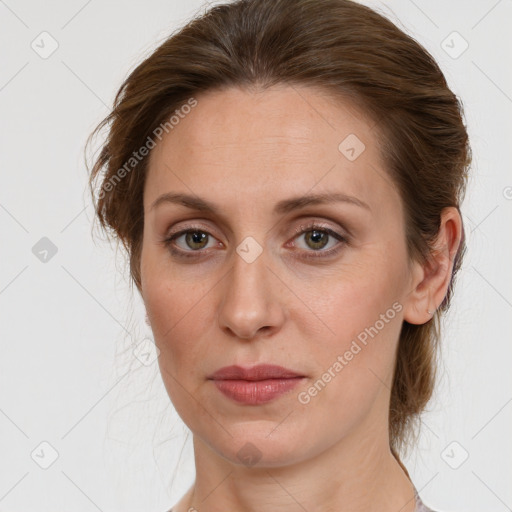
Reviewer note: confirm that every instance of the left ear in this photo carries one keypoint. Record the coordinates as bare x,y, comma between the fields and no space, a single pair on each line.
430,281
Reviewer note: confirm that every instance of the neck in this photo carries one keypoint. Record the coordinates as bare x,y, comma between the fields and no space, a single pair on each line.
355,476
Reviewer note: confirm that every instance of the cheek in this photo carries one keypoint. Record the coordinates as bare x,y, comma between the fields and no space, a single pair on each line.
361,311
354,363
174,305
354,295
178,315
178,318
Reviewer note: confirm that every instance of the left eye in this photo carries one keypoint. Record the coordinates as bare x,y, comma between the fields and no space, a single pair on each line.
319,238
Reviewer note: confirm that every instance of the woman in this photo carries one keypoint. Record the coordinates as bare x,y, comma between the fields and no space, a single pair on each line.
286,176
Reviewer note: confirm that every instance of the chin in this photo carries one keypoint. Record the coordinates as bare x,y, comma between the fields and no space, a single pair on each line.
259,444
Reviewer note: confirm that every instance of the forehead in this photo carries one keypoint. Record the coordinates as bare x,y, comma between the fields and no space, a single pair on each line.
283,140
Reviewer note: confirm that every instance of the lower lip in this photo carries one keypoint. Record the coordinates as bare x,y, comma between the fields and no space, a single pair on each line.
257,391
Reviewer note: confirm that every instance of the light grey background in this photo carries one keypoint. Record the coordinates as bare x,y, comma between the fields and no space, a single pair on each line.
65,322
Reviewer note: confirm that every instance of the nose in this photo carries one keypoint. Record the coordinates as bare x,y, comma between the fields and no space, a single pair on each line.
251,303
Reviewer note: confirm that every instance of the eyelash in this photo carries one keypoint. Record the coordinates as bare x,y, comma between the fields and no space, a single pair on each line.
313,226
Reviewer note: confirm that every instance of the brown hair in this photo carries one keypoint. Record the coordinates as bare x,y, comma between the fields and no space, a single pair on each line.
349,51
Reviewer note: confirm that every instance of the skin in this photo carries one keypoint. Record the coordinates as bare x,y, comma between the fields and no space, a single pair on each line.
245,151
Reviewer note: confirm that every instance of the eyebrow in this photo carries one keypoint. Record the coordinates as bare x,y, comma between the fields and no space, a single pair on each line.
282,207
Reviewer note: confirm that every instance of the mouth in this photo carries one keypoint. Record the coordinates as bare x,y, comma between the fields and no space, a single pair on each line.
257,385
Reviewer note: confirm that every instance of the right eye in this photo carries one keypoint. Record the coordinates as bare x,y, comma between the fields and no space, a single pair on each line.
188,242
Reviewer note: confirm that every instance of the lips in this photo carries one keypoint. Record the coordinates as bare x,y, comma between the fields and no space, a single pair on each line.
259,372
257,385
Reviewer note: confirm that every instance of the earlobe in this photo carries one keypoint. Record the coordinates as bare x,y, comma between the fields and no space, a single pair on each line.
431,280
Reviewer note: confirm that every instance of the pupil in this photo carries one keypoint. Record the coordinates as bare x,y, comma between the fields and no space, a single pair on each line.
317,238
196,237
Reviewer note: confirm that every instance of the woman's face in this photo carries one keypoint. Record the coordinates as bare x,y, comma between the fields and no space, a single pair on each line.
266,275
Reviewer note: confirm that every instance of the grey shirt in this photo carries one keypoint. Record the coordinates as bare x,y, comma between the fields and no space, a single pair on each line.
420,506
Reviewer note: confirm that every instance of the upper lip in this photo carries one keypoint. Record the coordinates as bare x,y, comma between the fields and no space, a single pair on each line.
258,372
